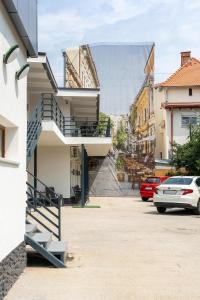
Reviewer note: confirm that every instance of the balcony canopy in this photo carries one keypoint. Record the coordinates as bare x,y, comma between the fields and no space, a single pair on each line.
84,102
40,77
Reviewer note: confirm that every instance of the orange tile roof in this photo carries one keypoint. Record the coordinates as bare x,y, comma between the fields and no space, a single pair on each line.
187,75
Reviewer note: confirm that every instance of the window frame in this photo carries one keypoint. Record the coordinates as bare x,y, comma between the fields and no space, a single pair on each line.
190,92
3,130
189,121
196,181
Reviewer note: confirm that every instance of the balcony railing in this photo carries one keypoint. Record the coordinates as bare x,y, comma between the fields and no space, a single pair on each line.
74,126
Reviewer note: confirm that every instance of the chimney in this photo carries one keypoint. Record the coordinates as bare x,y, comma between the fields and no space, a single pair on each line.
185,57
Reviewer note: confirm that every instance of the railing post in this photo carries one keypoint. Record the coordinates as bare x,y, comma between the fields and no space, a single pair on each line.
59,218
51,107
108,129
82,175
35,172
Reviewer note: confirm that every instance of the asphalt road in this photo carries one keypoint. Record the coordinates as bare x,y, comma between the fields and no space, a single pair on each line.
123,250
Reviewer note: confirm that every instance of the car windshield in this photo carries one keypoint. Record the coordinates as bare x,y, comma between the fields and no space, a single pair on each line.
152,180
178,180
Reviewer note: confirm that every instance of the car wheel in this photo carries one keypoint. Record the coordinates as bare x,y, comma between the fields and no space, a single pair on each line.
161,210
144,199
197,209
188,209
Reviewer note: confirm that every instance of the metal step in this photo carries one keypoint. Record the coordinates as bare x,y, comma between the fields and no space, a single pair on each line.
30,228
58,248
42,238
44,252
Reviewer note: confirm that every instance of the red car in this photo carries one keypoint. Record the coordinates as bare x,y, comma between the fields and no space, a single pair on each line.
148,187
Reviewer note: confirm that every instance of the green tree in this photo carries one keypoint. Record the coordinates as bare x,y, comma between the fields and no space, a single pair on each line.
103,123
133,117
188,155
119,140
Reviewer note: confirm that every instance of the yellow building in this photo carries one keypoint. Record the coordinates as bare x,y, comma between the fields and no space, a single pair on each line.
142,116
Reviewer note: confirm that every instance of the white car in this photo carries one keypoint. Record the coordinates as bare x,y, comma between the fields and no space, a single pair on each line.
178,191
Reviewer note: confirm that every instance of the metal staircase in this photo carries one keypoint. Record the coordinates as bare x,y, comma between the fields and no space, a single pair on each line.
34,128
43,212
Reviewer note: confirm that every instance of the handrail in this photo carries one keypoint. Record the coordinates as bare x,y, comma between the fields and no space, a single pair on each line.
43,202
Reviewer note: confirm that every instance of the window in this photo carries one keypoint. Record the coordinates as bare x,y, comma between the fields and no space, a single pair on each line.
186,121
190,92
2,141
145,115
152,180
178,180
198,182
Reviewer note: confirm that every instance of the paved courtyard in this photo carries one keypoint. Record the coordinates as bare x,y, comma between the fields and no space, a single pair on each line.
121,251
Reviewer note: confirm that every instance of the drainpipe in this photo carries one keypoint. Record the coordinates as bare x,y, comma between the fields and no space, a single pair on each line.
172,128
65,71
82,175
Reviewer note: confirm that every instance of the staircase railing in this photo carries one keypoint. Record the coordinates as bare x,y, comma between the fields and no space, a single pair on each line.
44,205
34,128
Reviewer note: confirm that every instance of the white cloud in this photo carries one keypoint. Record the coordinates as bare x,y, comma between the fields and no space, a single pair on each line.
173,24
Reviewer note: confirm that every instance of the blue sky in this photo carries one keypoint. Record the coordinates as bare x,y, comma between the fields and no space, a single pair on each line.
174,26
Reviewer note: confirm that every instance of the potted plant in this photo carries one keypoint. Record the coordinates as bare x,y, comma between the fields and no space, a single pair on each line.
120,169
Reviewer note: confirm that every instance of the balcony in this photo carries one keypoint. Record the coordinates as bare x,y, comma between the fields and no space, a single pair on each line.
73,126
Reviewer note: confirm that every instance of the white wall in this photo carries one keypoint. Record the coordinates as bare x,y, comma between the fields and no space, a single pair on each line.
54,168
13,116
178,94
159,122
180,134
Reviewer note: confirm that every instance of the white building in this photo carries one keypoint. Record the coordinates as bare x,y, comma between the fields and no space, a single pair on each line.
48,130
69,120
18,37
177,105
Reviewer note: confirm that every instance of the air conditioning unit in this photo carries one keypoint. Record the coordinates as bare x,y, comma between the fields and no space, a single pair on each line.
74,152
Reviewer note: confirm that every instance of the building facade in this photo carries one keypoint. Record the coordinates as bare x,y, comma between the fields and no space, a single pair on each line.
70,120
142,117
79,68
17,39
177,106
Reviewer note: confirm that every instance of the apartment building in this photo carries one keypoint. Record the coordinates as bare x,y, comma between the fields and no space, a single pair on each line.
18,39
79,68
177,105
142,117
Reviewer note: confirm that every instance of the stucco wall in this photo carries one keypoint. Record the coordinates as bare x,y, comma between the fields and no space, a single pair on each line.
54,168
13,117
182,94
163,117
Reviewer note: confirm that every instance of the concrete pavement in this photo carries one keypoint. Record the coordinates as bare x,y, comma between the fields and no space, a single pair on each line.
121,251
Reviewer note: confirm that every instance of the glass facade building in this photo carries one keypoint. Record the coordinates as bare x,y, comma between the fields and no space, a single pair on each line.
120,69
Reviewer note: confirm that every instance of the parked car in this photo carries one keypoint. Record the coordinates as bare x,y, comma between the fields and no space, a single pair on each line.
148,187
178,191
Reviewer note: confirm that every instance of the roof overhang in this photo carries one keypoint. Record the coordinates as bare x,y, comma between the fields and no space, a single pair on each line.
40,77
23,14
171,105
78,92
